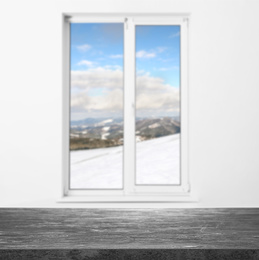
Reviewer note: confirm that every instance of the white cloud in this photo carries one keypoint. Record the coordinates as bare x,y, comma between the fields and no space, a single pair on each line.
145,54
111,102
169,68
174,35
97,78
86,62
113,67
166,60
142,72
84,47
161,49
150,54
164,69
153,95
116,56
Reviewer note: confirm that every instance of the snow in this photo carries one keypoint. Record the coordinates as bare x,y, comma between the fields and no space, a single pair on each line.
104,122
155,125
96,168
74,135
106,128
104,136
107,121
138,138
157,162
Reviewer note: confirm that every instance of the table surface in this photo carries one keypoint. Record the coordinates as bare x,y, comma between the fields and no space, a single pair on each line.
129,228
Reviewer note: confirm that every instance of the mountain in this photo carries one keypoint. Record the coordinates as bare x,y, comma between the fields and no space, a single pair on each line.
105,132
153,128
94,121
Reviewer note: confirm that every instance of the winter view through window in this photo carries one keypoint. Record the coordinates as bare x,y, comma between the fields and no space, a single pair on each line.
96,105
157,104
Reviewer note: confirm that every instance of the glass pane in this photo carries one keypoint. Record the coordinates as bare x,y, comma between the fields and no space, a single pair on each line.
158,105
96,108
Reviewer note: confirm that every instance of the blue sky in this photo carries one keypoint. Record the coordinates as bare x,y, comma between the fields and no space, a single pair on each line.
96,43
164,43
97,70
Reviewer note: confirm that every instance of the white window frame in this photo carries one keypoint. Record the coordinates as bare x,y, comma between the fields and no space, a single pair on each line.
130,191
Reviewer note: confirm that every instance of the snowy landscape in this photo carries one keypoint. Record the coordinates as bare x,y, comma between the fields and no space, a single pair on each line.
158,162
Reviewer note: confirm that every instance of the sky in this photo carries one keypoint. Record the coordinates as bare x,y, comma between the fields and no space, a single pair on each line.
96,63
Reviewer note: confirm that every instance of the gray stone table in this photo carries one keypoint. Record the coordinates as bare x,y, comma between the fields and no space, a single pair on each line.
129,233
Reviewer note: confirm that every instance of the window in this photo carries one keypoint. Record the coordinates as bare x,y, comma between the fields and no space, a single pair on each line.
125,107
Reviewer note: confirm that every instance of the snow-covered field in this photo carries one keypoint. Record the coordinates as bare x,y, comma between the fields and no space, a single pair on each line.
157,162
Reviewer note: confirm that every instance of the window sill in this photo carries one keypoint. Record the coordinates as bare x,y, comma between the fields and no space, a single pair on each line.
183,198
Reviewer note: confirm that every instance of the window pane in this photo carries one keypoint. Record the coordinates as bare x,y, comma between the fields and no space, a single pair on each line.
96,108
158,105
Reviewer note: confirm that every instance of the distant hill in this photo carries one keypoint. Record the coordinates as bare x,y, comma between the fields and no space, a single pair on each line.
153,128
94,121
105,132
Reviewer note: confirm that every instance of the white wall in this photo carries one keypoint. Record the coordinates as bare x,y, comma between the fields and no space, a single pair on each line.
224,98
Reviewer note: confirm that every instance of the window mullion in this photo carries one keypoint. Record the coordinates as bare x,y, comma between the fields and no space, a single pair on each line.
129,105
66,108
